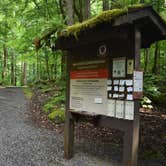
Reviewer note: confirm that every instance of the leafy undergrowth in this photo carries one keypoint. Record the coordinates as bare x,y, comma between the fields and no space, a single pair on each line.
47,108
28,92
47,104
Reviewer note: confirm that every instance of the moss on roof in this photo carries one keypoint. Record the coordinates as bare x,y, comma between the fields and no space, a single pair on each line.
106,16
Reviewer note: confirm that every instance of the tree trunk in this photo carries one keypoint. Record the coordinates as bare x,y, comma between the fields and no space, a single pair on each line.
87,9
146,59
156,56
61,4
105,5
12,69
47,64
37,65
24,74
78,9
5,54
69,11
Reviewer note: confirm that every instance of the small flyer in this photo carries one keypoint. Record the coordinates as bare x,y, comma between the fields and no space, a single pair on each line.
120,109
129,110
111,108
119,67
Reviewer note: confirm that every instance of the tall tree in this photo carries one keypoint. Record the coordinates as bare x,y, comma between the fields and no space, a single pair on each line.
87,9
105,5
69,11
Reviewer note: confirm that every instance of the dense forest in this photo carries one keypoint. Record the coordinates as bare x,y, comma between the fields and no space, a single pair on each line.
25,26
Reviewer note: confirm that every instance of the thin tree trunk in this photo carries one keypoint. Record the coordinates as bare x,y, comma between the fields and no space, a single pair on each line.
146,59
5,55
69,11
12,69
47,65
61,4
24,73
87,9
37,65
156,55
78,10
105,5
15,71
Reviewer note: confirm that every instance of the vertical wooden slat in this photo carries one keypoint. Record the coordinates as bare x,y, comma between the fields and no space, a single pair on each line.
69,122
131,138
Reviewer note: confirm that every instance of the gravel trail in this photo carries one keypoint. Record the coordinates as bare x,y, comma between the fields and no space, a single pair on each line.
22,143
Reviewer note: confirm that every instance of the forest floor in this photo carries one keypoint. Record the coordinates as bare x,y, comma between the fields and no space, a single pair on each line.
107,143
27,137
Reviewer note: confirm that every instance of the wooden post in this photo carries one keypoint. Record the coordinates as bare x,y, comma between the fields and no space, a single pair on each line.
69,122
69,136
131,138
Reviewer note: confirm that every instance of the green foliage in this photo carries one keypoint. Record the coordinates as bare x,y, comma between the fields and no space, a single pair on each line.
146,103
154,88
153,155
57,116
28,92
53,103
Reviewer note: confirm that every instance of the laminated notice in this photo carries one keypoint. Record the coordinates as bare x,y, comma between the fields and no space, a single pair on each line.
119,109
129,110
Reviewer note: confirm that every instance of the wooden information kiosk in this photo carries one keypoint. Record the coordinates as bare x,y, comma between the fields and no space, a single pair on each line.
104,76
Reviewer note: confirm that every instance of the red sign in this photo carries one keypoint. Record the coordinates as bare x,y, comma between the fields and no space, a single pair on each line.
83,74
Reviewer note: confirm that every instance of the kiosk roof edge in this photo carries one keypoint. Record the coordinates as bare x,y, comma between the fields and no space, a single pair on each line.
145,18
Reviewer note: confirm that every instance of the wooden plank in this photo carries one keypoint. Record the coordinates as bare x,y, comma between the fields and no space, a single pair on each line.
131,138
69,121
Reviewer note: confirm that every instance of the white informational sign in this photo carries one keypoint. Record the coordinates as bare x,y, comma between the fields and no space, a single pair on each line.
129,110
120,109
89,94
119,67
138,81
111,108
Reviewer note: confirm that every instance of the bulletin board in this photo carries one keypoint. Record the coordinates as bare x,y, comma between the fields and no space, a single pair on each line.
105,86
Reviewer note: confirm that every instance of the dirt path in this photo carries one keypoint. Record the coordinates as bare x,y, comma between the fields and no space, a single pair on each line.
23,143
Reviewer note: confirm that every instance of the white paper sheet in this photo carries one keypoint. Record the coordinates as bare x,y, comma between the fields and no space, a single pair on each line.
121,95
121,89
109,88
129,97
129,89
119,109
129,110
122,82
111,108
116,88
119,67
115,95
138,81
129,82
110,95
116,82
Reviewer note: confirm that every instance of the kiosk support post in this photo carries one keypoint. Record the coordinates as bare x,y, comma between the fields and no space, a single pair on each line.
69,136
69,121
131,137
